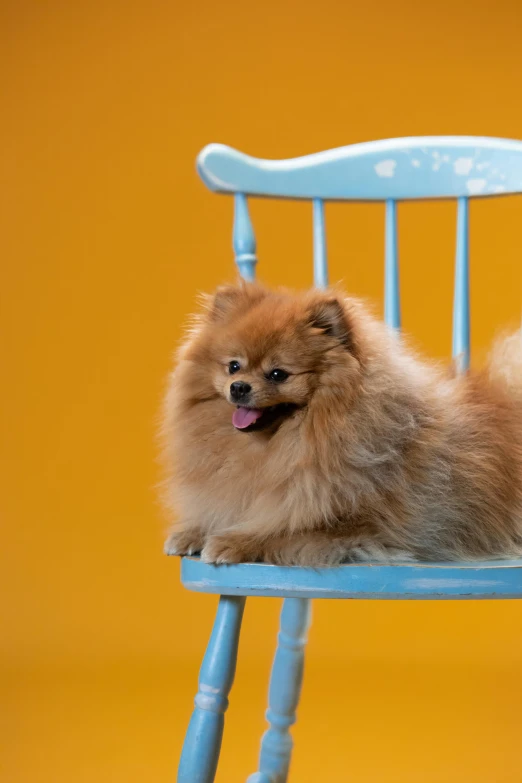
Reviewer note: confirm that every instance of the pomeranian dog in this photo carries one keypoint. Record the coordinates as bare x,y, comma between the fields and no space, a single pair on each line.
300,430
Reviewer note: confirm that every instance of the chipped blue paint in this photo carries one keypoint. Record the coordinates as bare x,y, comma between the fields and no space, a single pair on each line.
409,168
496,579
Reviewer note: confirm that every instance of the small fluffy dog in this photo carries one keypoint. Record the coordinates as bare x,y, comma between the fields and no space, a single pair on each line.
300,430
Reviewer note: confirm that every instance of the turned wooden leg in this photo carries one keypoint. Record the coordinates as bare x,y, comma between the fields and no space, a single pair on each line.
285,688
200,753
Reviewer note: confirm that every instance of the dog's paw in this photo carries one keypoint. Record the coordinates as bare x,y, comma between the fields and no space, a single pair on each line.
184,542
226,549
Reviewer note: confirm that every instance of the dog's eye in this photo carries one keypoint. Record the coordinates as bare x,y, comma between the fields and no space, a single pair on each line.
278,376
233,367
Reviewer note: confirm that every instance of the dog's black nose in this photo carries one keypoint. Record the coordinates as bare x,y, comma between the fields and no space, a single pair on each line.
239,390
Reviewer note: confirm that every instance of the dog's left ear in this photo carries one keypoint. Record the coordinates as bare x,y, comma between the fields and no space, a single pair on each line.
226,299
329,315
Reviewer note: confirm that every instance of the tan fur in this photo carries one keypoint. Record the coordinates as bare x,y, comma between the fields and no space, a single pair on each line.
383,457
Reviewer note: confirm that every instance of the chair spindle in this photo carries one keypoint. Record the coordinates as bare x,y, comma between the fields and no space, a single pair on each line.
243,239
392,304
461,317
320,256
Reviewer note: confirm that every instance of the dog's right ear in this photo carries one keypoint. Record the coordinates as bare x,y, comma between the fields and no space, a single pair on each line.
232,298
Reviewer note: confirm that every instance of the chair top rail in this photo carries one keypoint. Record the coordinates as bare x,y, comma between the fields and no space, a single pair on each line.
425,167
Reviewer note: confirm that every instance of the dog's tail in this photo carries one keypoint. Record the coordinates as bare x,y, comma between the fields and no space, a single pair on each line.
505,363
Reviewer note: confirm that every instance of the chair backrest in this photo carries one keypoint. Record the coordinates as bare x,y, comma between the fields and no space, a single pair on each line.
431,167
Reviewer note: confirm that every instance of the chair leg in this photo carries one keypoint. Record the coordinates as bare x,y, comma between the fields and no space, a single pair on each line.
202,745
285,689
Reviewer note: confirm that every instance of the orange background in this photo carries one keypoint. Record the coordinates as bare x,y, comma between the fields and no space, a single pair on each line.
106,235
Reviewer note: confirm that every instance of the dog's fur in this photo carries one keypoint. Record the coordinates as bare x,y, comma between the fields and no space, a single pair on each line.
371,454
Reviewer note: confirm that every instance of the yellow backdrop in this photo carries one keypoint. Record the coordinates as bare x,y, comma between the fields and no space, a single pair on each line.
106,235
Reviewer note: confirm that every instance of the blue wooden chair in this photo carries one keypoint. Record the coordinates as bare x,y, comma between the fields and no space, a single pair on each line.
388,171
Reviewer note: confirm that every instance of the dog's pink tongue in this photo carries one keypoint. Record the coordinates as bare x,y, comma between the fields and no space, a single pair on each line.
244,417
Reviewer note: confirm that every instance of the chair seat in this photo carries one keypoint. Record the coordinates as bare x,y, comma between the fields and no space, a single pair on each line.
459,580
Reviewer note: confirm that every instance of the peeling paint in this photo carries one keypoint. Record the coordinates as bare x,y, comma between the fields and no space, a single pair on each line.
463,166
475,186
386,168
208,688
